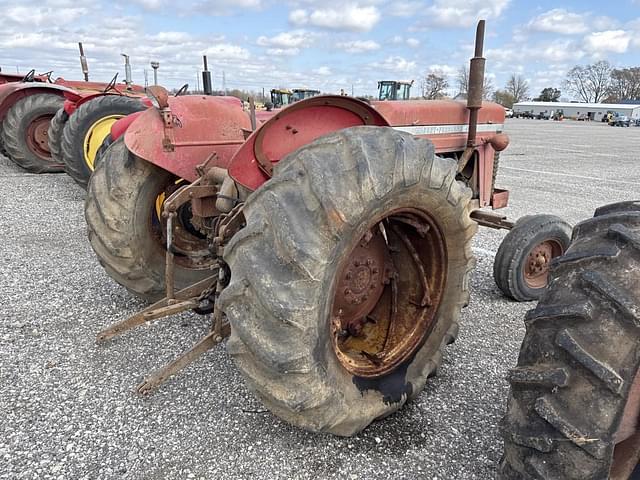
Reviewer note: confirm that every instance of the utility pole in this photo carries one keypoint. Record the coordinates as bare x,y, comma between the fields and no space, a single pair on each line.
352,90
146,78
155,65
224,84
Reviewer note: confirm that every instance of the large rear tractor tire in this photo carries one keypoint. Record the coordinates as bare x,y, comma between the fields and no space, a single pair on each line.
575,394
348,278
25,131
521,266
86,130
55,135
122,210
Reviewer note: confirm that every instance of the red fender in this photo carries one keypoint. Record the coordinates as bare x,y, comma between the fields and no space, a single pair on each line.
73,101
199,127
294,126
120,126
10,93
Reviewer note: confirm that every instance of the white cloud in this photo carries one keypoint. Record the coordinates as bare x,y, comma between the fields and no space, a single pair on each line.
227,51
395,64
358,46
413,42
293,39
283,52
350,17
324,71
462,13
614,41
560,21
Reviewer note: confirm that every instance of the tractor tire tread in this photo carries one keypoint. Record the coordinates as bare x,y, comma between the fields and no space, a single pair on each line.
75,130
281,259
581,349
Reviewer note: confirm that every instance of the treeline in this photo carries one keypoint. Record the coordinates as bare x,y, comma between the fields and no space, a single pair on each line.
595,83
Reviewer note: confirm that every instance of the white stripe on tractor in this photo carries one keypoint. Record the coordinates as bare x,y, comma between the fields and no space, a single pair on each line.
440,129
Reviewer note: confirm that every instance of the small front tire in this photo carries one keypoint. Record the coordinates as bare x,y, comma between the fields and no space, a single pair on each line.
521,266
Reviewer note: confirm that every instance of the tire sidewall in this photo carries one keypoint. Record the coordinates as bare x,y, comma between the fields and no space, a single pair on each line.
23,126
86,119
380,396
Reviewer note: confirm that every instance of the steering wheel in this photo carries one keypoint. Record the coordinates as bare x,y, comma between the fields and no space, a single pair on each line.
183,90
29,77
112,84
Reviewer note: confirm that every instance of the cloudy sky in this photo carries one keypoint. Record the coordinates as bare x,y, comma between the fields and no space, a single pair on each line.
324,44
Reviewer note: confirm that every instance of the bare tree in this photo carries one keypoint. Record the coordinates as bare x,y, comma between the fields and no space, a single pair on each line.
463,84
625,84
434,86
590,83
518,87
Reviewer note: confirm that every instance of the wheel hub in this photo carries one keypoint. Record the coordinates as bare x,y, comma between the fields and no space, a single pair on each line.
38,137
536,272
387,293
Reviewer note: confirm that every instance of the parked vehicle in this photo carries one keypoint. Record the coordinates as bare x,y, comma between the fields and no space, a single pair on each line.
620,121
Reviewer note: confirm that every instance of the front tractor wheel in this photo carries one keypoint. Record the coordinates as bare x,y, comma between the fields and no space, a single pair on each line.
521,266
348,277
123,212
25,132
87,128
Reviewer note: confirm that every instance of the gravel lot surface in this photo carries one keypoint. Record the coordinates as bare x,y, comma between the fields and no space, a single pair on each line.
67,407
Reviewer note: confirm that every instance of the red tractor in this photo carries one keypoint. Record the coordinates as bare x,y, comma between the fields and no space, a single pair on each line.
27,108
79,128
333,245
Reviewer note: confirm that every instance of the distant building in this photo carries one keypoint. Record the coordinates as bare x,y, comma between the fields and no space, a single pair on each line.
591,111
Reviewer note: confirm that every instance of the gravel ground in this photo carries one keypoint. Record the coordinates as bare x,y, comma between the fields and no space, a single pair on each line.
68,408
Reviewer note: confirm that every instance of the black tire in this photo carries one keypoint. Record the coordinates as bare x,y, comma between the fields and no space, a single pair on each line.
511,262
15,127
55,135
123,227
283,264
579,358
79,125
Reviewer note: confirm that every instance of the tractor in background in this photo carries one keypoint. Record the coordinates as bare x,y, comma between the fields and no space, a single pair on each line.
332,245
394,90
29,106
303,93
280,97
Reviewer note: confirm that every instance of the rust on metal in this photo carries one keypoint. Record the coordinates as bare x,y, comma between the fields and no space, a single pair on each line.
37,136
491,220
152,311
626,454
536,271
387,292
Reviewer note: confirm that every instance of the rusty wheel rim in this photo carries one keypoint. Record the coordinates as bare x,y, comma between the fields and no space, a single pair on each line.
388,290
536,269
190,247
626,453
38,137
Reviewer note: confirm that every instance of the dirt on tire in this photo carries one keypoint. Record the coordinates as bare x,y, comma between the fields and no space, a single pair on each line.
579,359
120,211
284,260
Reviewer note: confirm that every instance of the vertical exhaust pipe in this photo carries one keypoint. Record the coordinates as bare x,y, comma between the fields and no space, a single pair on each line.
127,71
474,94
206,78
83,63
